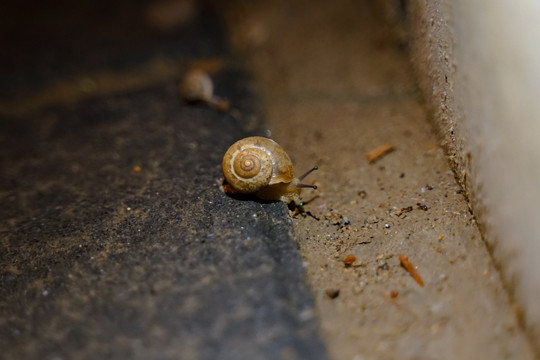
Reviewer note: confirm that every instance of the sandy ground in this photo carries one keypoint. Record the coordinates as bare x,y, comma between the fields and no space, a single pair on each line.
335,85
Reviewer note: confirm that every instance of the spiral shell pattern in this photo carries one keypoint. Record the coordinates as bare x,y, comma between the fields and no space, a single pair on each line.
255,162
247,163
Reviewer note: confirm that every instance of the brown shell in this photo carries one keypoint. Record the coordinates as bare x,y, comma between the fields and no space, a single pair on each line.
256,162
197,86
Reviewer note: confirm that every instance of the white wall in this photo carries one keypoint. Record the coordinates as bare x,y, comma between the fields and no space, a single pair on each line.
497,83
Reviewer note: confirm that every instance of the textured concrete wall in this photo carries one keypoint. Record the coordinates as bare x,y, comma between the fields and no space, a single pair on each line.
477,64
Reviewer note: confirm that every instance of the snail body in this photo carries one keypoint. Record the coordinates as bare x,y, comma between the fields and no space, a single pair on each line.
259,166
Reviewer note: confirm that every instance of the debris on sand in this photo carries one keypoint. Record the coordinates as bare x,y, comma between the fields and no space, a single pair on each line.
404,259
378,152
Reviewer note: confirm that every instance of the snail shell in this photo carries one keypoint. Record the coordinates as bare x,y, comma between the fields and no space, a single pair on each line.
257,165
197,86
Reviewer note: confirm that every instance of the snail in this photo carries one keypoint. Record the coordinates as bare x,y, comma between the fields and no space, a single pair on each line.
198,86
259,166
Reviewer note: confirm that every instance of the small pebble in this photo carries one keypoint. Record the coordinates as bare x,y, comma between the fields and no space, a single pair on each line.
349,260
332,293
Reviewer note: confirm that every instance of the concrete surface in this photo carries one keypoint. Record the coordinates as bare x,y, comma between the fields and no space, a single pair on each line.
116,240
336,84
478,67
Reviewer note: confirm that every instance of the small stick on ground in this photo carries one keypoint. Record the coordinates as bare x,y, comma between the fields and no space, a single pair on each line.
404,259
378,152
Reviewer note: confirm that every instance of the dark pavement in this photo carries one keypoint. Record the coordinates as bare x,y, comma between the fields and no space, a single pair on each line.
116,240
